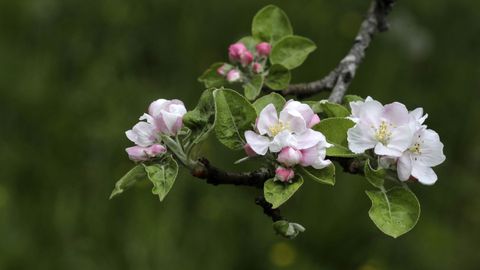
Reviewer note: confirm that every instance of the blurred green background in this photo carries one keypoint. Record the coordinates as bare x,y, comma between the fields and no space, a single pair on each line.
75,74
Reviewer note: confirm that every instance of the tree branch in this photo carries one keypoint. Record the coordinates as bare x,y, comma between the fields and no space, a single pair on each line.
340,78
274,214
214,176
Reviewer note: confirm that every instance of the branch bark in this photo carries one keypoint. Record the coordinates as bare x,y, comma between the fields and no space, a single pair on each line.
216,176
339,79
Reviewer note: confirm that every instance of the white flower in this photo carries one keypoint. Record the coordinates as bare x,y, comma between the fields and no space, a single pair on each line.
426,151
142,134
166,115
386,129
291,129
315,156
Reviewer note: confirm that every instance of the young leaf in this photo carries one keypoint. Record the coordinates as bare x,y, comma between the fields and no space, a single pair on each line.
249,42
395,211
128,180
291,51
200,120
277,192
350,98
333,109
335,130
233,116
210,78
270,24
253,87
278,77
277,100
324,176
287,229
375,177
162,176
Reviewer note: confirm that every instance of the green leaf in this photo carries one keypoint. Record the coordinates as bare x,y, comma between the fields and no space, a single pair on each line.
333,109
315,105
324,176
376,177
200,120
277,100
277,192
278,77
233,116
351,98
253,87
291,51
250,42
270,24
128,180
210,78
287,229
335,129
395,211
162,176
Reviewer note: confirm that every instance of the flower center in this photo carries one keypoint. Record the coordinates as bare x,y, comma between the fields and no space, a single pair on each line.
277,128
383,134
415,149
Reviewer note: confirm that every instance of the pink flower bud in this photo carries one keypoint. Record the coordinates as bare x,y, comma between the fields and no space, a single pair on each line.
233,75
223,69
289,156
249,151
236,50
314,120
166,115
156,150
284,175
263,48
257,67
136,153
246,58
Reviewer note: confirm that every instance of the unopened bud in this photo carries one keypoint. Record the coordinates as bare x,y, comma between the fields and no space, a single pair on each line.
263,49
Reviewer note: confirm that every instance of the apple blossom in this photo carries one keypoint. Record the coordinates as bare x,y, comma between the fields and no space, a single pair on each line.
142,134
223,69
288,130
166,115
284,174
257,67
315,156
233,75
386,129
425,151
236,51
139,153
289,156
263,49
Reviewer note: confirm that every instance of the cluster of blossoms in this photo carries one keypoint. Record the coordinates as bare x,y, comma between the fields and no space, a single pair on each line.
164,117
290,136
243,62
398,136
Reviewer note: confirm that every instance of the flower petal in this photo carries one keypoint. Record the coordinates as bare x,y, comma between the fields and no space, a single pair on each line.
360,138
396,113
401,138
309,138
293,120
431,148
404,167
266,119
283,139
424,174
259,144
368,111
383,150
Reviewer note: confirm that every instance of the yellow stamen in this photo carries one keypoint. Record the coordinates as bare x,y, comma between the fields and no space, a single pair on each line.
277,128
383,134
